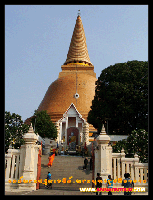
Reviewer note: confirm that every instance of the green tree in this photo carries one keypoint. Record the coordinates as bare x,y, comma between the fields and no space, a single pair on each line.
121,98
137,142
43,124
14,130
119,145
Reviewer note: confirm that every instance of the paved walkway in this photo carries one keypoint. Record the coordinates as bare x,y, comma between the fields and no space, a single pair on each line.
69,167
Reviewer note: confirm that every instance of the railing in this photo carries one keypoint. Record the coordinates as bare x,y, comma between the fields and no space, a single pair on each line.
121,165
12,164
15,161
22,162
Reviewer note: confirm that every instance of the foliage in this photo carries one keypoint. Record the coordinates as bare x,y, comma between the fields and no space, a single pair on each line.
43,124
121,97
137,142
119,145
14,130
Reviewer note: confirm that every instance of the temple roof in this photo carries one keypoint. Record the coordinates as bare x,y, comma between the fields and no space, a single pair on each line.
71,107
78,51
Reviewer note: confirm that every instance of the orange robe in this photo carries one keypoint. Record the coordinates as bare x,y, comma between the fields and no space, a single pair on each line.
51,158
50,163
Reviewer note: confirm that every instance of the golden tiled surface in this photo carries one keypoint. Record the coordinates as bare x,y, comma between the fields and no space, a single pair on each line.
60,95
78,48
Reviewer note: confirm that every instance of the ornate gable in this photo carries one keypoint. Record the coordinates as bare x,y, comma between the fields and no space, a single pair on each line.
72,112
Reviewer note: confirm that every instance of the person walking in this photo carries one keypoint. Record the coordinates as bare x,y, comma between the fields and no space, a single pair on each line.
98,183
127,183
49,178
85,163
109,184
51,151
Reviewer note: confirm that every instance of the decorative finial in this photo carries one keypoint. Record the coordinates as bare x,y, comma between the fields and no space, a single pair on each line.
122,151
31,129
79,13
103,132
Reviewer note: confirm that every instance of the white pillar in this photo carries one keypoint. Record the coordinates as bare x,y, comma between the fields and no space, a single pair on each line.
118,167
66,130
58,131
132,171
85,133
104,155
30,139
114,168
9,156
136,161
123,162
127,167
76,121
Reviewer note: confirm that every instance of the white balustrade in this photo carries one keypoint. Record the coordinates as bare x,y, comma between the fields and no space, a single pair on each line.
17,162
12,160
122,165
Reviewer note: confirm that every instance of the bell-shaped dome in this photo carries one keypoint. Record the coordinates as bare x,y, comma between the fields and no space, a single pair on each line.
62,92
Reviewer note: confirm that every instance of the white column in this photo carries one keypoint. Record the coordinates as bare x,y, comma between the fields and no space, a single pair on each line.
141,174
136,161
118,167
85,133
9,156
76,121
22,160
97,163
145,174
103,166
17,164
114,168
60,131
132,171
122,162
82,133
127,167
66,130
30,139
12,170
123,169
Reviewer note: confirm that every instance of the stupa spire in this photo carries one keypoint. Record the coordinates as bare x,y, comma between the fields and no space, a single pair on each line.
78,51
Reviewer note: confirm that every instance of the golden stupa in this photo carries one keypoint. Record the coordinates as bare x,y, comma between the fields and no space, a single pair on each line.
75,86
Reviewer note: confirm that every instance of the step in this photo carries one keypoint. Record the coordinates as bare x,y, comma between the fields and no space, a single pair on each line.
69,167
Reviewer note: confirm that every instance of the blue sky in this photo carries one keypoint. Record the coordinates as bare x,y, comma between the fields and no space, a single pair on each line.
37,39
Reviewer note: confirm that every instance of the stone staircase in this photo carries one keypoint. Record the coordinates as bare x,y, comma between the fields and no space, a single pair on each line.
65,167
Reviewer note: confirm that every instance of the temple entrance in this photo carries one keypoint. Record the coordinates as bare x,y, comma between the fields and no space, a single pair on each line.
72,137
70,127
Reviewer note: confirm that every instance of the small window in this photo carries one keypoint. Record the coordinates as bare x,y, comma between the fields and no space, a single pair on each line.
76,95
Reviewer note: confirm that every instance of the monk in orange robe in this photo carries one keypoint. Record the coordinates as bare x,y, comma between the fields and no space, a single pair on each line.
51,158
50,161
